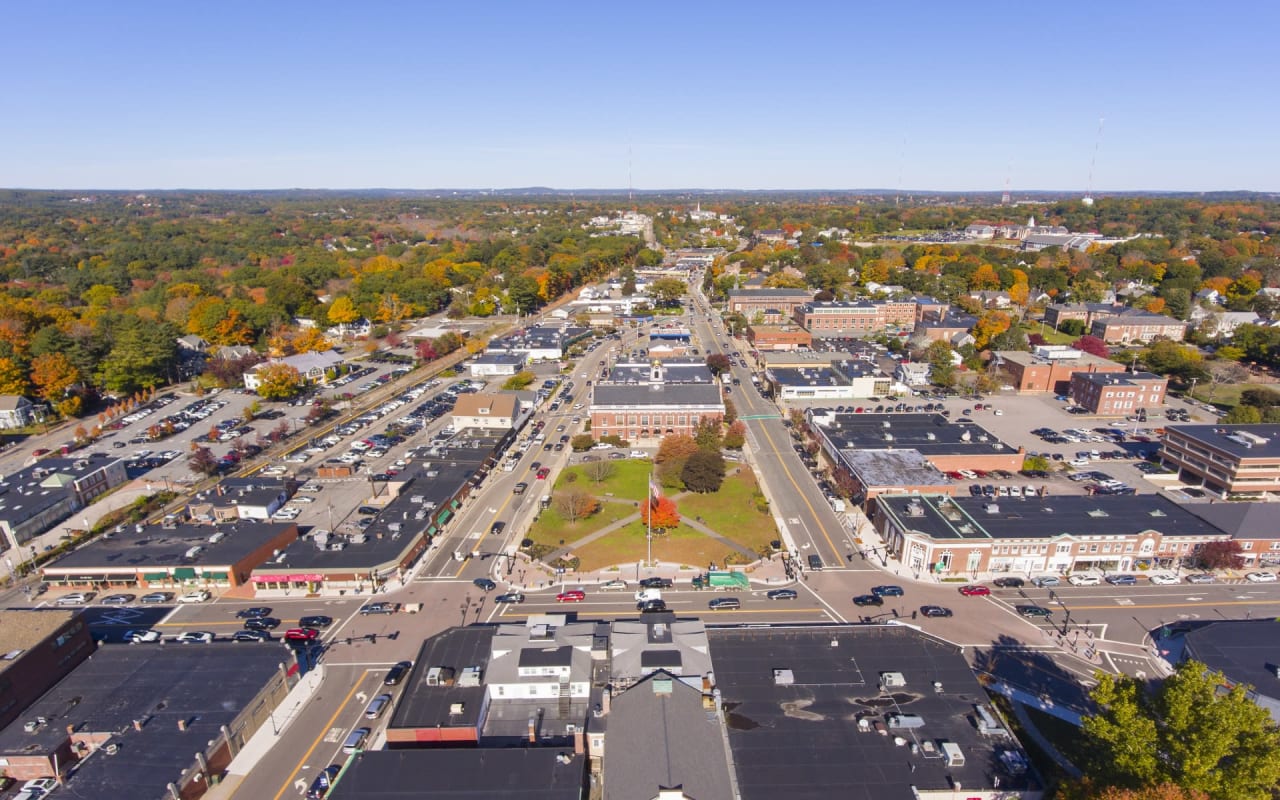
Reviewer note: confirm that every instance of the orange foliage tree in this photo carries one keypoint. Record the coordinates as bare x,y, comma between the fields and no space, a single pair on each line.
660,513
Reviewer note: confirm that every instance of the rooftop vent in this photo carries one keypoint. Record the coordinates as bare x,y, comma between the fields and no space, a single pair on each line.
783,677
892,680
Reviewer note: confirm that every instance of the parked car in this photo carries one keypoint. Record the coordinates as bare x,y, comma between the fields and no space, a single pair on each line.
195,637
323,782
198,596
376,706
141,635
1121,580
118,599
1200,577
74,599
1163,578
1084,579
1009,583
935,611
251,636
656,583
397,673
974,590
782,594
571,596
1044,581
1261,577
613,585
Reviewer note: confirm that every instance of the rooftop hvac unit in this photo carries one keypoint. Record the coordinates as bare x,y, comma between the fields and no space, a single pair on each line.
193,552
892,680
952,754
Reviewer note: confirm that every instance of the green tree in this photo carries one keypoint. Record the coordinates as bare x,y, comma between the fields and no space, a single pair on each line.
582,442
1190,730
703,472
942,370
736,437
1243,415
707,435
279,381
142,356
519,381
667,291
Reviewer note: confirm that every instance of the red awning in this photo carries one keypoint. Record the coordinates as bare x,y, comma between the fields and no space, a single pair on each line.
287,578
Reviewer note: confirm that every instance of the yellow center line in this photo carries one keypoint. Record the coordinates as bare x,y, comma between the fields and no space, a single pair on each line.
782,463
1200,604
289,781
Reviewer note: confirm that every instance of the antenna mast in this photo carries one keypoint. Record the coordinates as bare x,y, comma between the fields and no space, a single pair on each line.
1007,198
1088,194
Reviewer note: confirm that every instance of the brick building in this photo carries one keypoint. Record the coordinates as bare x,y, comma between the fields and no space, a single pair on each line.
1117,394
1058,313
1049,368
846,319
1228,459
770,338
41,647
655,408
1133,325
752,301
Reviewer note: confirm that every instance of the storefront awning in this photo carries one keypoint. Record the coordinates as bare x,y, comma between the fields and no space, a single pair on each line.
455,504
215,576
287,578
155,576
184,573
444,516
432,530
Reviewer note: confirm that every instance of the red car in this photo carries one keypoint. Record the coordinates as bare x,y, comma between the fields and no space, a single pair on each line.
543,473
301,634
572,596
974,590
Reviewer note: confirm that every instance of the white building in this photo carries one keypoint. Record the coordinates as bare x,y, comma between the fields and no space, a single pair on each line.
486,410
496,365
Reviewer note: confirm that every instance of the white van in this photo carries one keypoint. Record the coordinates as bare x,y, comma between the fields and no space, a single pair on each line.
645,595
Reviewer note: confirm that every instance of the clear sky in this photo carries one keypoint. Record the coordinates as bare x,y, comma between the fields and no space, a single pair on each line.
872,94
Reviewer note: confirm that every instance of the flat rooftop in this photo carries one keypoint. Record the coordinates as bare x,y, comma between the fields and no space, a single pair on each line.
1241,441
1082,361
876,468
515,773
793,698
23,630
207,686
1043,517
1243,650
423,706
33,489
147,546
930,434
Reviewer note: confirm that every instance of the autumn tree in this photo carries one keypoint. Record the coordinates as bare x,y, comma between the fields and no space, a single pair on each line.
1092,345
520,380
707,436
576,504
53,374
203,461
342,311
13,378
718,363
279,381
988,326
736,437
1221,555
660,513
1087,790
425,350
675,446
1195,729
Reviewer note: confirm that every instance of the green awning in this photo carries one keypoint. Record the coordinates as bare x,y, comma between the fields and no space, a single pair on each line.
432,530
455,504
444,516
184,573
215,576
155,576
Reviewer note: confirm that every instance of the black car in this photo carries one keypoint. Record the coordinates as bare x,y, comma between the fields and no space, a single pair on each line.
652,606
261,623
320,786
317,621
397,673
1033,611
935,611
251,636
656,583
509,597
256,611
1010,583
368,511
782,594
496,528
485,584
887,591
868,600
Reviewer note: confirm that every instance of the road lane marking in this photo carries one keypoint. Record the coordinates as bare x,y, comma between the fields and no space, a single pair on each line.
316,743
803,497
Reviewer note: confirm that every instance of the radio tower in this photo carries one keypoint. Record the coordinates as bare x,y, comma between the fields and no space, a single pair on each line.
1088,194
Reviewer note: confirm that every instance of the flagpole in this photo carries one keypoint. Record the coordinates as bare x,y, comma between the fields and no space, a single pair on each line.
648,537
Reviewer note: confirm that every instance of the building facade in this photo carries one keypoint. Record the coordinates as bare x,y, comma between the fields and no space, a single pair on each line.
749,302
778,338
1137,326
1111,394
1049,368
849,319
647,412
1227,459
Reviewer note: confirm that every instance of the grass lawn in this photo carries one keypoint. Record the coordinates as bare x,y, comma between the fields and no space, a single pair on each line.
551,529
1050,335
732,513
682,546
628,480
1224,395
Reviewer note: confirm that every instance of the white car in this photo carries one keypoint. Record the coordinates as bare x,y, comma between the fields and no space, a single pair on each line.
1261,577
198,596
302,499
194,637
1084,580
1164,579
142,635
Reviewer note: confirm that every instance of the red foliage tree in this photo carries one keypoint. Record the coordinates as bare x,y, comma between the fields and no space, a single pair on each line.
661,513
1093,345
426,350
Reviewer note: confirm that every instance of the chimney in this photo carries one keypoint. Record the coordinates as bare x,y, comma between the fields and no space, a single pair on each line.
182,724
137,724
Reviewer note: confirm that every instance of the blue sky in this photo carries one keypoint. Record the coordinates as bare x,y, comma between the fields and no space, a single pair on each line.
917,95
